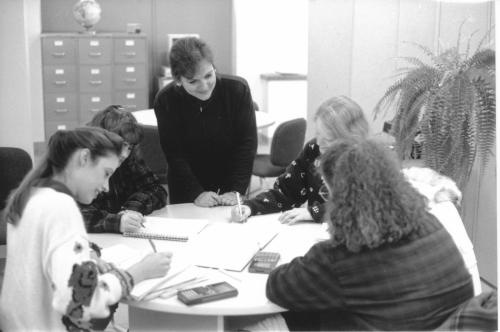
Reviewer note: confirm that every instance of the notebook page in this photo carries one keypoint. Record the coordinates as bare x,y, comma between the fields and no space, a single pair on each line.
169,228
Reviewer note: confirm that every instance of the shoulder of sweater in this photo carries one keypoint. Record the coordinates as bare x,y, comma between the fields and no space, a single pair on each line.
48,199
233,81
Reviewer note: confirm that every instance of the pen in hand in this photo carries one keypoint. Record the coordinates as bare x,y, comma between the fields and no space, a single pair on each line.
239,204
152,245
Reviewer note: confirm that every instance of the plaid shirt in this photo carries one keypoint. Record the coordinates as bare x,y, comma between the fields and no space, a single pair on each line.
299,183
133,186
415,284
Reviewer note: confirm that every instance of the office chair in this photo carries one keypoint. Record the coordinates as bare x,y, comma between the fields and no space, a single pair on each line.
286,144
152,153
15,163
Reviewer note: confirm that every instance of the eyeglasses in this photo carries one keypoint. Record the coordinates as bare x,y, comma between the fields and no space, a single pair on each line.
323,192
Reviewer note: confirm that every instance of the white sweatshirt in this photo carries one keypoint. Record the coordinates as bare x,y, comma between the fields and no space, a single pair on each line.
45,280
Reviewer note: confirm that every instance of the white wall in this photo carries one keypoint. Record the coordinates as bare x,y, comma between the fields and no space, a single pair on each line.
270,36
20,80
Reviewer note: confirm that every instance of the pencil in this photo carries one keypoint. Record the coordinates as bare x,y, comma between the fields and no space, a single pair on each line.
152,244
239,203
227,274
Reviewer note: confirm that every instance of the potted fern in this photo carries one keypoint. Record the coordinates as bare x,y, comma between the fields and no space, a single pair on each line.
449,104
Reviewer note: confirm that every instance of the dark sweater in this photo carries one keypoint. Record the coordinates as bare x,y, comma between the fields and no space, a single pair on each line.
209,145
133,186
414,284
299,183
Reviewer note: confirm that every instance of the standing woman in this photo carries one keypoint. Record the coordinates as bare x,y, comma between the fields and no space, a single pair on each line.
206,124
52,283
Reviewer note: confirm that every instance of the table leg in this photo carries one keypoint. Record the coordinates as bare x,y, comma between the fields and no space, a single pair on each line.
149,320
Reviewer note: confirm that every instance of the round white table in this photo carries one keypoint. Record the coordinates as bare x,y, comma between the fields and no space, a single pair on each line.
147,117
172,315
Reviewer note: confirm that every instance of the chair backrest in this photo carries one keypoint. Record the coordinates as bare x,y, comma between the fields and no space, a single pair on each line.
152,153
288,141
15,163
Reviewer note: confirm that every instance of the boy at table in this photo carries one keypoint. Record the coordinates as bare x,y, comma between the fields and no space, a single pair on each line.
134,190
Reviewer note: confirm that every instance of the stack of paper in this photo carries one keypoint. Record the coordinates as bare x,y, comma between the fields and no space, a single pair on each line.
124,256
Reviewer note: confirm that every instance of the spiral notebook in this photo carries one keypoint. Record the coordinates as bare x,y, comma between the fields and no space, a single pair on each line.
169,229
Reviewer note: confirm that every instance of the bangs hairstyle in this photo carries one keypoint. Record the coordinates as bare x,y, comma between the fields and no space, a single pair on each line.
119,121
371,203
186,54
343,118
61,146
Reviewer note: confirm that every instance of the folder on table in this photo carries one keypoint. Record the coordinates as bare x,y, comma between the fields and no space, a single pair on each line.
231,246
170,229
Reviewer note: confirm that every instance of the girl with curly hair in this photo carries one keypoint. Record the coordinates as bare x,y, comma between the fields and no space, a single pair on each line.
389,263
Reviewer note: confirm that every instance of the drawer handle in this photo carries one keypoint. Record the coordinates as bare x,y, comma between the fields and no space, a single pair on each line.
58,54
95,54
61,110
130,80
130,106
96,82
130,54
60,82
94,110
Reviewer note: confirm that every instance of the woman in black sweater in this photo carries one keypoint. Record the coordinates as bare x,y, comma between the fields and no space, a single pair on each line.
207,129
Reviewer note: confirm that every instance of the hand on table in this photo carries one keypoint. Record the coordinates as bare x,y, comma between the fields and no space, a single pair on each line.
245,213
295,215
207,199
228,198
131,221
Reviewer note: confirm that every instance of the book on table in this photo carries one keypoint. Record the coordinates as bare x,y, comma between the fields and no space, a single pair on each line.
170,229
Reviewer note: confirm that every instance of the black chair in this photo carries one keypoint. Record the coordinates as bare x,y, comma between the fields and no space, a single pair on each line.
15,163
152,153
286,144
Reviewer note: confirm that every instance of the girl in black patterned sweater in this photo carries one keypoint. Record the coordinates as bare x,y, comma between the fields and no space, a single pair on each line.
337,117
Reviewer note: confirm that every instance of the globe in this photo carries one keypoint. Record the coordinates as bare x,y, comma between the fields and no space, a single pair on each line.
87,13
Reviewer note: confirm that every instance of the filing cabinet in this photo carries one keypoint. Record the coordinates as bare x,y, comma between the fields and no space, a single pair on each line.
83,74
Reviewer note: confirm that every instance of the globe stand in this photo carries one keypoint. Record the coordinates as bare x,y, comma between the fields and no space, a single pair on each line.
89,31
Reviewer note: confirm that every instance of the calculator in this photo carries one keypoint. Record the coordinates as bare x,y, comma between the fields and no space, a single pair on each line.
264,262
202,294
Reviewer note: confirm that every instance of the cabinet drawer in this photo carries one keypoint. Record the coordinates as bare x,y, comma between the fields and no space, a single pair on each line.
95,78
130,50
52,126
91,103
129,76
58,50
60,107
132,100
95,50
59,78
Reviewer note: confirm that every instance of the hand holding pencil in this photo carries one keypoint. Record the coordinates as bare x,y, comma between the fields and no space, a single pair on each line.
154,265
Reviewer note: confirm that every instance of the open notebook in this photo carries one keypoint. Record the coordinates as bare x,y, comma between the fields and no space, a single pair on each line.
124,256
231,246
171,229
